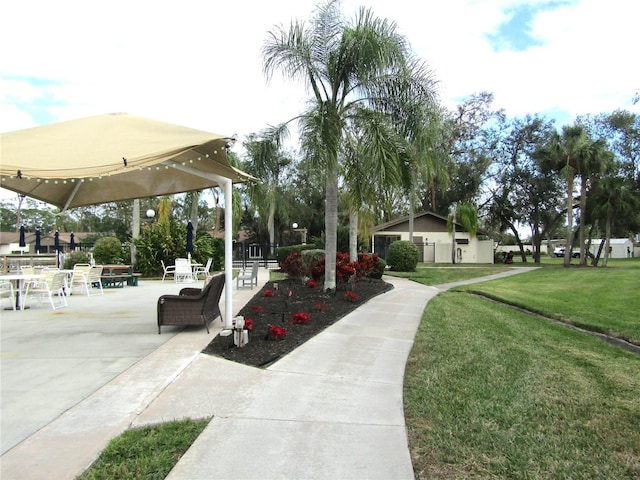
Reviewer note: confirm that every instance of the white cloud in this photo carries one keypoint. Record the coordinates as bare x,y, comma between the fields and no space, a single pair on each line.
198,63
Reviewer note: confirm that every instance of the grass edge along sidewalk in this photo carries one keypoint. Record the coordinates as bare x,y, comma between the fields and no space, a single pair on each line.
492,393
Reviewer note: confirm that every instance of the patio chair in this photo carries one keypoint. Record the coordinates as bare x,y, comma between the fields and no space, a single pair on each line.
7,291
80,278
167,270
251,276
52,284
202,270
193,306
183,270
95,277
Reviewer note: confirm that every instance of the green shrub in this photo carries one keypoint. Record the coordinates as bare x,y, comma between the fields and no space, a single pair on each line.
403,256
284,252
75,257
107,250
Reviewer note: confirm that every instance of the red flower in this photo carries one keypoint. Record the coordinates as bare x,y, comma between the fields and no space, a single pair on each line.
312,284
300,317
319,307
248,324
257,308
290,293
350,296
268,293
277,333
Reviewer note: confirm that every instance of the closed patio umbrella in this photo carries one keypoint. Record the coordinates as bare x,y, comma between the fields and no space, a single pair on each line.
189,239
23,242
56,242
72,242
38,240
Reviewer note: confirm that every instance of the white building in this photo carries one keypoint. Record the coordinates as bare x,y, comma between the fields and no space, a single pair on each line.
433,240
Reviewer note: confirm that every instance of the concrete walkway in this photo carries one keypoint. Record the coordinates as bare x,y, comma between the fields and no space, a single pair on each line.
333,408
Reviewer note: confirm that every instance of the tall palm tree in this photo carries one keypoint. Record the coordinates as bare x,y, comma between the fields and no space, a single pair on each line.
565,153
350,68
596,160
266,161
615,197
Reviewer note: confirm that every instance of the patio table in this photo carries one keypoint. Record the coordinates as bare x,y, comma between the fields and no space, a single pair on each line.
17,279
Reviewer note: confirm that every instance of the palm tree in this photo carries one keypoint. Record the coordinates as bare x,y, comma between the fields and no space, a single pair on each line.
265,161
595,161
565,153
615,197
467,215
351,69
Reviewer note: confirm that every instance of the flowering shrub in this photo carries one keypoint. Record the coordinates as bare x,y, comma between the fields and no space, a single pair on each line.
293,265
257,308
277,333
300,317
248,324
319,307
312,284
268,293
350,296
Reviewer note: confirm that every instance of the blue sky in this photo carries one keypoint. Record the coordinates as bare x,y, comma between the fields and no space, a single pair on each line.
198,63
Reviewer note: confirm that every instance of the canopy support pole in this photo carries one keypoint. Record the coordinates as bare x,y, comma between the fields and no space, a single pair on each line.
228,242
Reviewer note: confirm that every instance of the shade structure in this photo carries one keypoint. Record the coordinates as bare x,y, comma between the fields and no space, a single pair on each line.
110,158
115,157
22,242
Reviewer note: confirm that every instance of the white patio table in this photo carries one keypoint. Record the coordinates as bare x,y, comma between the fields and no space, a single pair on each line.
17,279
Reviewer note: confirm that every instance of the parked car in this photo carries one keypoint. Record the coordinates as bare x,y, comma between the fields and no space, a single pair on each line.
559,252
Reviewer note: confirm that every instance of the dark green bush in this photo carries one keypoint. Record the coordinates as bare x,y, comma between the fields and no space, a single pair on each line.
107,250
284,252
73,258
403,256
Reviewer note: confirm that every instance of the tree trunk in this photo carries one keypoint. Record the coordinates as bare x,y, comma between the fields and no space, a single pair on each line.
271,227
583,219
568,243
195,198
453,239
607,243
331,228
353,235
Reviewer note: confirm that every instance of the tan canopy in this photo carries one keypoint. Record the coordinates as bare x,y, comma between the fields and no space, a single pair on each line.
110,158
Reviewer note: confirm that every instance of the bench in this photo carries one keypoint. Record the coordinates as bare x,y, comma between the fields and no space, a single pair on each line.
115,280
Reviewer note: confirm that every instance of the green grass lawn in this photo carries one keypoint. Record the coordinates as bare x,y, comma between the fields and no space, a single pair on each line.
605,300
494,393
147,453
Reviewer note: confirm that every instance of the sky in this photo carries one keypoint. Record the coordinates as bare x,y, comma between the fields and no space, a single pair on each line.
199,63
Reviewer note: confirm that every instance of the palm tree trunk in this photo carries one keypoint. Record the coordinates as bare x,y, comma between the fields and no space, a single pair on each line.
453,239
271,228
567,246
331,228
583,219
607,242
353,235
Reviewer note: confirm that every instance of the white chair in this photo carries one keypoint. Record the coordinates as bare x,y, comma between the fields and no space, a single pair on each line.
251,276
202,270
95,277
167,270
183,270
80,278
52,284
6,291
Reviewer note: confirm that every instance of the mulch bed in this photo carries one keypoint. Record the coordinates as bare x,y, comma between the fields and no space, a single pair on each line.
291,296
